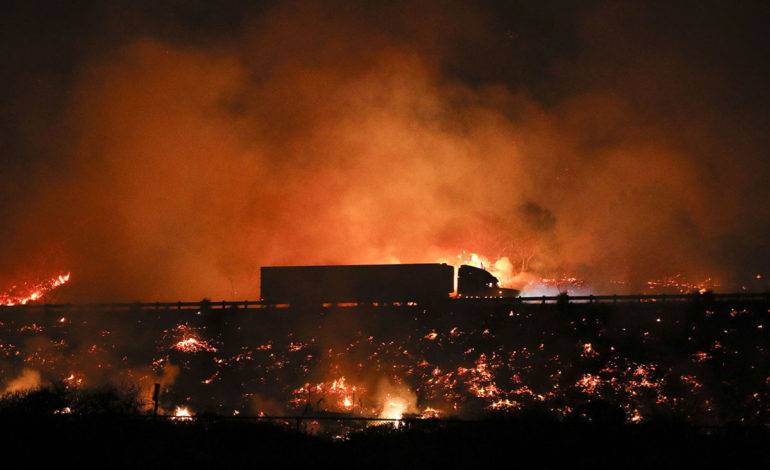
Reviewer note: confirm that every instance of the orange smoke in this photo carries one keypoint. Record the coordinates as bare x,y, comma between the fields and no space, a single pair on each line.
28,380
311,135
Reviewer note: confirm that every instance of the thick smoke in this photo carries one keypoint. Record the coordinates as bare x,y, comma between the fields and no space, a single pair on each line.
173,164
29,379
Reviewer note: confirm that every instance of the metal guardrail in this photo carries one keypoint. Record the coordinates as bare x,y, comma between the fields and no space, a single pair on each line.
738,296
302,418
260,305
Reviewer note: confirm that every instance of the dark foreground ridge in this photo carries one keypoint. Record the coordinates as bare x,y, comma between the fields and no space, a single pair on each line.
525,442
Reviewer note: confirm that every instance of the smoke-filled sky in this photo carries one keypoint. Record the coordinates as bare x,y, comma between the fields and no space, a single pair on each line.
166,150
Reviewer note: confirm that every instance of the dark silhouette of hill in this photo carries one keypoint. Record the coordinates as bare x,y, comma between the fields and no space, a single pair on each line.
99,431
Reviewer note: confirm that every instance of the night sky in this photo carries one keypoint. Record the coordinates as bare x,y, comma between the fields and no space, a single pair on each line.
167,149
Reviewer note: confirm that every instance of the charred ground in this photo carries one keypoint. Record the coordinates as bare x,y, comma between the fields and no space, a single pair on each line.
585,385
705,361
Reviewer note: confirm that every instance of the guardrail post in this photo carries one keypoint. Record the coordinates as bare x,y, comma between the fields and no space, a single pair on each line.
155,399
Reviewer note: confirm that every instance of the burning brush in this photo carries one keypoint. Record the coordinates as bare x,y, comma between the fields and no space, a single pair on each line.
27,293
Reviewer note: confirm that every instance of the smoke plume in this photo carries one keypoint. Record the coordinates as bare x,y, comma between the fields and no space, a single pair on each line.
168,156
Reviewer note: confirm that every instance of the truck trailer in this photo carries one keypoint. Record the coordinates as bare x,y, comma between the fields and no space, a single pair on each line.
375,283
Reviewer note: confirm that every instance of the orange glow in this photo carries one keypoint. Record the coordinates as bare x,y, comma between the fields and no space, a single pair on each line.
394,408
193,345
26,294
588,351
431,336
430,413
182,413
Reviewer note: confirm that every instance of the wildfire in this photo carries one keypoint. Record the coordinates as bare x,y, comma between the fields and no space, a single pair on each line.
539,284
394,408
564,282
338,394
182,413
25,294
461,365
502,268
190,342
677,283
480,379
533,285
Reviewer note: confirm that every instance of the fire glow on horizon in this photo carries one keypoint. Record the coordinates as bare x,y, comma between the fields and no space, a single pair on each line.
531,284
24,293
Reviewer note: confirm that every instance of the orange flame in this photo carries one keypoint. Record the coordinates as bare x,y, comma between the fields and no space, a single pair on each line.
33,293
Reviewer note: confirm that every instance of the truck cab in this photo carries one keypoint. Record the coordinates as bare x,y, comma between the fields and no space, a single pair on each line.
476,282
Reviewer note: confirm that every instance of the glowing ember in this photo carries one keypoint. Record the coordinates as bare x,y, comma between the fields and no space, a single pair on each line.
588,351
194,345
678,284
337,394
504,405
430,413
431,336
562,283
636,417
692,381
701,356
588,383
73,380
191,341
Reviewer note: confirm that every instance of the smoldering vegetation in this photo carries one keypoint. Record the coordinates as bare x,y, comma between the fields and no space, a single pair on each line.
703,363
165,151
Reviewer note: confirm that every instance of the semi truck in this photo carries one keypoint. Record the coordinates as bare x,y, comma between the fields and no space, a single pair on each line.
423,282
